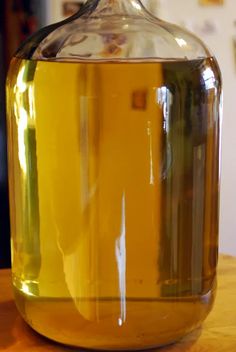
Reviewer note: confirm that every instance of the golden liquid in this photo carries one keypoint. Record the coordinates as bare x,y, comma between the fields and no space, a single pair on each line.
114,177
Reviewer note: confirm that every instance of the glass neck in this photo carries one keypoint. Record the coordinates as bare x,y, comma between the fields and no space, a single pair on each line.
110,7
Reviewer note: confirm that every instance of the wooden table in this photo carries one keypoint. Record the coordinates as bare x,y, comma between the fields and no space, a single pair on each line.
218,333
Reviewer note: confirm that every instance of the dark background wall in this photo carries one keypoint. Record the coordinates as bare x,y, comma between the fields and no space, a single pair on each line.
18,20
4,208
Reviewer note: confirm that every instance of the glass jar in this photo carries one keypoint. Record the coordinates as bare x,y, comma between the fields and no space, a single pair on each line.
114,123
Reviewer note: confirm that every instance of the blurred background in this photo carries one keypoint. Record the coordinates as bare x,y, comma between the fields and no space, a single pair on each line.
214,21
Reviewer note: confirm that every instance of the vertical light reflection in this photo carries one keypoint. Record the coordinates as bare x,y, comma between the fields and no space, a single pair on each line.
24,91
121,263
165,99
21,85
84,147
149,131
198,208
220,132
31,102
209,78
21,118
22,126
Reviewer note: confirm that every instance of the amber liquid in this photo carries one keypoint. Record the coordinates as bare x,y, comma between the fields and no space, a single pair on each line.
114,180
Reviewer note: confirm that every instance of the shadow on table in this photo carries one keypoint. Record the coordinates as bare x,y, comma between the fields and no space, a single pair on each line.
16,335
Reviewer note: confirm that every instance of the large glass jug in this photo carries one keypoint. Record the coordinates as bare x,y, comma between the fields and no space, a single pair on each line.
114,138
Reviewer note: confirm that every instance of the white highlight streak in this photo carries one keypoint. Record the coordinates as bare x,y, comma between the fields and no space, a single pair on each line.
121,263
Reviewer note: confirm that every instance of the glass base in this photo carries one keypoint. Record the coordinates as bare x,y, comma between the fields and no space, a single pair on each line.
102,325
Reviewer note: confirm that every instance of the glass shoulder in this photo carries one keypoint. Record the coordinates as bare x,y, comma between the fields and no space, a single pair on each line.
113,37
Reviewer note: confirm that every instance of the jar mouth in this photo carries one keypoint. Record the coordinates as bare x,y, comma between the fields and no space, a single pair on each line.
108,7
